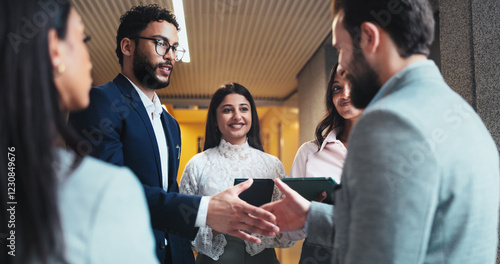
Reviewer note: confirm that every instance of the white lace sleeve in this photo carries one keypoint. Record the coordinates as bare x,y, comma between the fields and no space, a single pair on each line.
278,241
204,241
279,172
189,183
207,244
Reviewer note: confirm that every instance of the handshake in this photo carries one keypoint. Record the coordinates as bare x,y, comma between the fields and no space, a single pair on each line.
228,214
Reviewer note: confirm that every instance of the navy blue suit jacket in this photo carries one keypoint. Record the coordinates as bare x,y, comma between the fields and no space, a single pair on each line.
116,128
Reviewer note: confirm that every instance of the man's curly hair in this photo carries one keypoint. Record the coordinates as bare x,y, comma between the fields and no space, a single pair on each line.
134,21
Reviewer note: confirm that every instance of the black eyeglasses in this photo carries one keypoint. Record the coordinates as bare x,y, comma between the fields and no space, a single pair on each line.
162,47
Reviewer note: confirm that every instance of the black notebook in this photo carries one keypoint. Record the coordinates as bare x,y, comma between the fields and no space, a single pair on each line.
310,188
260,193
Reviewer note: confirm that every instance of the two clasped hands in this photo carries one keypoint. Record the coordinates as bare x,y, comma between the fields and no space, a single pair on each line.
284,215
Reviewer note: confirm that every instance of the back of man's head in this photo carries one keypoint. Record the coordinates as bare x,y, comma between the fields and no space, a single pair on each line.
134,21
410,23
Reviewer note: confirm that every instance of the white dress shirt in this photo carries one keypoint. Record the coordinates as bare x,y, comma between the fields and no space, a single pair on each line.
154,110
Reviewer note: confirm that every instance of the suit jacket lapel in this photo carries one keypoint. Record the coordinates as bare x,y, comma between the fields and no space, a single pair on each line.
173,151
136,103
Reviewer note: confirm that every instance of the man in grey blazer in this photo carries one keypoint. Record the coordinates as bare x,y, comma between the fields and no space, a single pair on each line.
421,179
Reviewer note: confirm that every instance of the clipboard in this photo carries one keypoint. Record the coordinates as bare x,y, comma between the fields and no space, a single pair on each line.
260,193
310,188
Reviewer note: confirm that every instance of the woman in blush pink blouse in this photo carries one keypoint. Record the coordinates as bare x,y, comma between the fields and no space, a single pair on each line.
324,156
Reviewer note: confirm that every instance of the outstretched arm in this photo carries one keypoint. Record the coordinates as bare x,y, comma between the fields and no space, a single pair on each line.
291,211
106,127
228,214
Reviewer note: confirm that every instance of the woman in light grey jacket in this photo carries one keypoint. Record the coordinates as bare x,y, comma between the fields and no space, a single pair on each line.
58,207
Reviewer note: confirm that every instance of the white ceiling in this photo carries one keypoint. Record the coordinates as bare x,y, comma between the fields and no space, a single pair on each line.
262,44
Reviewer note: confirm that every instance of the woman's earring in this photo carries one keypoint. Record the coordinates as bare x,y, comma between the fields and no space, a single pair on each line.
61,68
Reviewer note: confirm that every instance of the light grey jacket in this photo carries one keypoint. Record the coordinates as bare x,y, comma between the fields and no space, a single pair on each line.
420,182
104,214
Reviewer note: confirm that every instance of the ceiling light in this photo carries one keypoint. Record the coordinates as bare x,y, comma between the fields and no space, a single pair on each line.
183,39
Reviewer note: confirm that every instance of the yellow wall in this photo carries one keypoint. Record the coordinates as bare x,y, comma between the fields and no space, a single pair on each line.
189,140
285,147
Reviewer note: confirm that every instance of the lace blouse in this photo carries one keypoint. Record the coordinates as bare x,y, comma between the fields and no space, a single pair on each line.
213,171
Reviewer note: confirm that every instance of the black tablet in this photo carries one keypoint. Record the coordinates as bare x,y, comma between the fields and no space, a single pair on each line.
260,193
310,188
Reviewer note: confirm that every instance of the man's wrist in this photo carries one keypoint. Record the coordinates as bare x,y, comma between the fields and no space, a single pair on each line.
201,217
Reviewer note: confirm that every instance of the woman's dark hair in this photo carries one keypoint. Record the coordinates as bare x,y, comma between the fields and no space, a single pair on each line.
212,133
134,21
332,119
32,122
410,23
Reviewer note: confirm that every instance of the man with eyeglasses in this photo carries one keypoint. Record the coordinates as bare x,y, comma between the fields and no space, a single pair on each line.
126,125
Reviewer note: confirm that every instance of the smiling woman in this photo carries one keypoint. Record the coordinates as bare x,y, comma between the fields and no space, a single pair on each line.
234,119
324,157
233,149
231,103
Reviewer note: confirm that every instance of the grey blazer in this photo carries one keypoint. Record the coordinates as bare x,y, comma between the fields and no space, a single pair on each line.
420,182
104,214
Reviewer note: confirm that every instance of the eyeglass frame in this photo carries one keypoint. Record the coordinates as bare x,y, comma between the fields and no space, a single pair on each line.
175,49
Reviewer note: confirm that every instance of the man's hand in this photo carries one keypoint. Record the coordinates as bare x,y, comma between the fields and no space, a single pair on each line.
291,211
228,214
321,197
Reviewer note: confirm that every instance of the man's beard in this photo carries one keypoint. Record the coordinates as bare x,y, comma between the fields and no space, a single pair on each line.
364,81
145,72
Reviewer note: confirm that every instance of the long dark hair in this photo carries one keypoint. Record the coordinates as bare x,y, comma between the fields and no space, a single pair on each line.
332,119
212,133
31,121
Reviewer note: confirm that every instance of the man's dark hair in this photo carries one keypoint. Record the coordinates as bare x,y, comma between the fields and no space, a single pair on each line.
134,21
410,23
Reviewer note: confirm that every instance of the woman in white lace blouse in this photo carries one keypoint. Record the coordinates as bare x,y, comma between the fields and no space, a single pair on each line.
232,149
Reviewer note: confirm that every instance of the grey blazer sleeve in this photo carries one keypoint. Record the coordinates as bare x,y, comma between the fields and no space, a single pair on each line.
390,190
105,216
320,224
122,231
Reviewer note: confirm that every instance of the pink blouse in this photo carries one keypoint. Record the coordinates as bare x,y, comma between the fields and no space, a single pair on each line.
327,162
309,162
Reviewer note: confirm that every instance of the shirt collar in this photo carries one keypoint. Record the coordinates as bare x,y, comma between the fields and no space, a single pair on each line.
330,138
152,107
234,152
395,80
